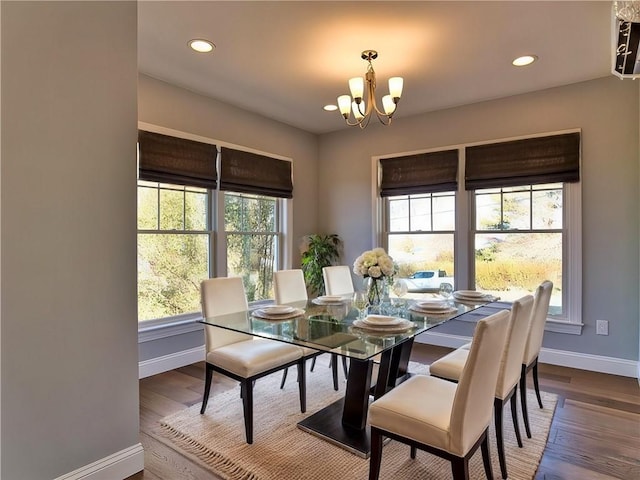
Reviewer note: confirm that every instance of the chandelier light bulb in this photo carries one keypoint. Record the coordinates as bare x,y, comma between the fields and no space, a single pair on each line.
356,85
395,87
358,111
344,104
388,104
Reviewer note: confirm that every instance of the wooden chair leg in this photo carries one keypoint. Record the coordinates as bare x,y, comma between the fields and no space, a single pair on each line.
334,370
247,403
344,367
376,454
460,468
302,385
486,457
535,382
207,387
412,454
514,416
498,406
523,400
284,378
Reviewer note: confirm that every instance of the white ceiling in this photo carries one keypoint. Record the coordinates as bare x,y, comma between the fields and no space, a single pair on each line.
286,60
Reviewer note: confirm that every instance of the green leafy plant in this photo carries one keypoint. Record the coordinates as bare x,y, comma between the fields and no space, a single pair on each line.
319,251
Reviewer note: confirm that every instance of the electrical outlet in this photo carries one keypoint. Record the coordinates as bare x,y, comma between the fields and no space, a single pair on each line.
602,327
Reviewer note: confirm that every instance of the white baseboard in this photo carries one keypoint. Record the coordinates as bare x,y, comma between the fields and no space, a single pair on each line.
153,366
119,466
563,358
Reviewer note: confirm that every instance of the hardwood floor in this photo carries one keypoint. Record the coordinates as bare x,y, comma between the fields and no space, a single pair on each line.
595,432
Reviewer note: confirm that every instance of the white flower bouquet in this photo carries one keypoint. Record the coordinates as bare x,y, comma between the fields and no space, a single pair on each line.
377,266
374,263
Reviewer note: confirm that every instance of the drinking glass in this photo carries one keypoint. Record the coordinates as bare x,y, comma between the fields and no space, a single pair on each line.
400,289
360,301
446,289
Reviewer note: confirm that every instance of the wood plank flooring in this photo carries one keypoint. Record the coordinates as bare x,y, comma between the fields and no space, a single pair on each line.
595,434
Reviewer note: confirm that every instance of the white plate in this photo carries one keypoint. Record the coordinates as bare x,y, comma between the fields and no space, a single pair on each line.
331,298
277,309
401,326
382,320
432,305
469,293
427,311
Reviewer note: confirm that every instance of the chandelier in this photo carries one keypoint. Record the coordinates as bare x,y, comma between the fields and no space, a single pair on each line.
626,39
362,102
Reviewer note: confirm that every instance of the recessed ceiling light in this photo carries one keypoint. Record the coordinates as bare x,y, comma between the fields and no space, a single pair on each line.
330,108
201,46
524,60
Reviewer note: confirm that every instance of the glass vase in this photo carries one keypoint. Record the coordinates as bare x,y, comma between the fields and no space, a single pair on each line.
377,292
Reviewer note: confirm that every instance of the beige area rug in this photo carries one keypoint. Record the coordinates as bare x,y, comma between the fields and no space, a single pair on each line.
281,451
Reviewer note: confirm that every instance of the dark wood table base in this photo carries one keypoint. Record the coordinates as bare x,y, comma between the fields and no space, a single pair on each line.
344,422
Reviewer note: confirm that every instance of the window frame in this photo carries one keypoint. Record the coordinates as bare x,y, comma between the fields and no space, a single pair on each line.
464,260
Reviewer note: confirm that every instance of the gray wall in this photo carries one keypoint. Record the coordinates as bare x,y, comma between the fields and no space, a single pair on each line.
68,219
168,106
607,112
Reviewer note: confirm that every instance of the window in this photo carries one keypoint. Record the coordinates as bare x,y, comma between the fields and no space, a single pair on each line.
251,227
514,222
192,225
174,244
420,239
518,238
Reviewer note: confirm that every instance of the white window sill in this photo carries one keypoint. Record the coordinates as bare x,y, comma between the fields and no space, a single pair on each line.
559,326
156,329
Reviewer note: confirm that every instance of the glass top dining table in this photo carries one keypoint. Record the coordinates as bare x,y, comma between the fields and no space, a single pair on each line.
334,327
330,327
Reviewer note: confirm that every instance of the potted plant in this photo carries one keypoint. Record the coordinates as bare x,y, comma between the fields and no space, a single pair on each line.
318,251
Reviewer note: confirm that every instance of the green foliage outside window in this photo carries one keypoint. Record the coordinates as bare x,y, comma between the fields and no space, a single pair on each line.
173,249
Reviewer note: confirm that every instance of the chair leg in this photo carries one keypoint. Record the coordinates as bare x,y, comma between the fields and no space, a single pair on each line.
523,400
376,454
247,403
284,378
486,457
334,370
302,385
535,382
313,363
498,406
460,468
207,387
413,452
344,367
514,416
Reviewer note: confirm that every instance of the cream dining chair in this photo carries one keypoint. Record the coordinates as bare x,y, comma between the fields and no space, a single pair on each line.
450,367
533,346
444,418
337,280
289,287
240,356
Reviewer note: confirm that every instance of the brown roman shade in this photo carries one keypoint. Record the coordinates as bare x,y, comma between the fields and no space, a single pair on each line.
167,159
532,161
421,173
252,173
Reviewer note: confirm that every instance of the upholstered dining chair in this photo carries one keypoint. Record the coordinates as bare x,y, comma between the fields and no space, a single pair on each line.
450,367
289,287
242,357
337,280
533,346
444,418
